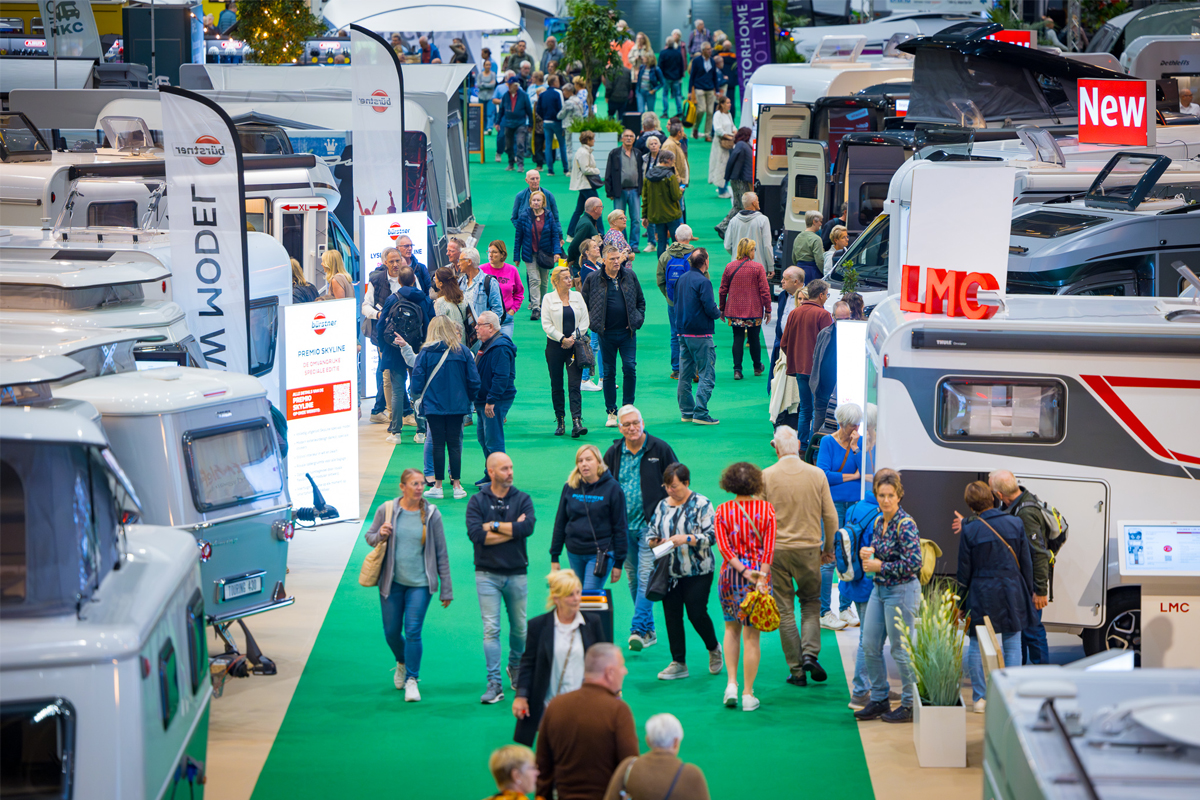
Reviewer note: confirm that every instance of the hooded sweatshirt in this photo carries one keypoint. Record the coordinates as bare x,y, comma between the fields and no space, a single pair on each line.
496,362
661,195
591,517
508,558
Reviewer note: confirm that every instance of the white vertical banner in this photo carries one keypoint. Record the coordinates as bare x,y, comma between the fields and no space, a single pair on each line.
377,119
208,226
320,343
70,28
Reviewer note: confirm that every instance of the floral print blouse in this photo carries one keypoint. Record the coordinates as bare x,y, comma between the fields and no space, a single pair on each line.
898,545
694,518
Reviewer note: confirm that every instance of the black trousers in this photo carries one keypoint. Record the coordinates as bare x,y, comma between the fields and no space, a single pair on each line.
692,594
741,334
446,433
558,358
580,201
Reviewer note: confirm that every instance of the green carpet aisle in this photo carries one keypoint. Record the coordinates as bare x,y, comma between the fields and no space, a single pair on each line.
349,733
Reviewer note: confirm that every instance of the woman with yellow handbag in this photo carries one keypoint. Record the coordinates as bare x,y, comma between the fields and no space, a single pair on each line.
409,563
745,528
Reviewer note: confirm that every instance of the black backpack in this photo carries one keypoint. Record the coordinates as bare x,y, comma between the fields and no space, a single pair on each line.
405,318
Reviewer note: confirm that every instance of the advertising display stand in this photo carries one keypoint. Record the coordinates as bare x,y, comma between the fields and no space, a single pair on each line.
1164,558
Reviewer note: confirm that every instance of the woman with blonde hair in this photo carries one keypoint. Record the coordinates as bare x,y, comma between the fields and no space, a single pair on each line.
415,566
443,381
590,521
745,301
564,319
339,284
839,240
554,646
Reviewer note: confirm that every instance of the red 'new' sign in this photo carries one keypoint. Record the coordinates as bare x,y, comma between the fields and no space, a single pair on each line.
1116,112
1022,38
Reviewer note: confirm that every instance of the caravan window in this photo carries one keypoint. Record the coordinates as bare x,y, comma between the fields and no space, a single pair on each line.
12,535
264,334
168,683
1017,410
37,748
113,215
231,465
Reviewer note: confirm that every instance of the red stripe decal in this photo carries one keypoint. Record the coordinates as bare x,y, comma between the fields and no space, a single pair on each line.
1188,459
1151,383
1098,385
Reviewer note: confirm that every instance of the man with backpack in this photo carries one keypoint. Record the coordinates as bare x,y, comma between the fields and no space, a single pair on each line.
405,314
695,312
496,362
672,265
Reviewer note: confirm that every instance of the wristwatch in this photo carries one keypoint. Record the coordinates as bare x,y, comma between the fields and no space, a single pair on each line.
495,526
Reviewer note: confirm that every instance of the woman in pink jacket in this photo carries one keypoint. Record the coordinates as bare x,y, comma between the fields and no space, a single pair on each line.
512,291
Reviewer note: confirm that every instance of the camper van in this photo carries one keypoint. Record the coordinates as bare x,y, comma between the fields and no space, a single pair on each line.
1083,398
104,673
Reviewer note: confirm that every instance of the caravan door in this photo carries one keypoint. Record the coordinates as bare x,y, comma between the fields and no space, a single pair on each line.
776,124
807,182
300,224
862,178
1081,566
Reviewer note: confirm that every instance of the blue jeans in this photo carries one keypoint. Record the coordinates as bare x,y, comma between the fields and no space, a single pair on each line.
1010,645
583,566
1034,648
804,423
630,202
639,560
879,623
624,342
493,587
673,89
489,431
403,617
488,120
827,570
551,130
664,234
697,355
599,361
401,407
645,100
427,457
860,685
674,339
380,401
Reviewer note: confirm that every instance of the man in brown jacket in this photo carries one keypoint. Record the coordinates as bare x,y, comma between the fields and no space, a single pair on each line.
798,342
800,494
586,733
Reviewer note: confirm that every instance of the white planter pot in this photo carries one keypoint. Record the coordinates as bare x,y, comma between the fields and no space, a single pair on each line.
605,142
940,734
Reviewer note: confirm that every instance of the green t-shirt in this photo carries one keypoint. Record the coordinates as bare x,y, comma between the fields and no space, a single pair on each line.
807,247
408,554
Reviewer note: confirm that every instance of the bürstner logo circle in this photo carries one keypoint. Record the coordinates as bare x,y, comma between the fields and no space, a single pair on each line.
209,150
394,231
320,324
378,101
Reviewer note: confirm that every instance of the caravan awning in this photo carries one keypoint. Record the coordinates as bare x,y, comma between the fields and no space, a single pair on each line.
411,15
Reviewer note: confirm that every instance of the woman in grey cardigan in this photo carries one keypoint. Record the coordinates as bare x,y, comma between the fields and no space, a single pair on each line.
414,564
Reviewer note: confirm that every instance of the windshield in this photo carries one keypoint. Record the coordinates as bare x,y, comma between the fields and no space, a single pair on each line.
868,255
232,465
1052,224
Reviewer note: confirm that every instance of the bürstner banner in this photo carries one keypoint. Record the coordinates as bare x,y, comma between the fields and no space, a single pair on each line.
208,226
70,28
377,118
754,35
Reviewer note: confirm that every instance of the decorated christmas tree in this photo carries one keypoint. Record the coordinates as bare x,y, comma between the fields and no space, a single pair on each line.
276,29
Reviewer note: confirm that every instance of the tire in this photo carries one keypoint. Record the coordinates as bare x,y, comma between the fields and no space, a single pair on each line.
1122,628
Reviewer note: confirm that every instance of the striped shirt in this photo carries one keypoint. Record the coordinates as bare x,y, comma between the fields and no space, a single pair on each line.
736,536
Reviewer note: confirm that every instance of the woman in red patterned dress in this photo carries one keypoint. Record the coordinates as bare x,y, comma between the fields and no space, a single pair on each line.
746,535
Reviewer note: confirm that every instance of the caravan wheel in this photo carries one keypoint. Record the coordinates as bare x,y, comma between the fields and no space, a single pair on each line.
1122,629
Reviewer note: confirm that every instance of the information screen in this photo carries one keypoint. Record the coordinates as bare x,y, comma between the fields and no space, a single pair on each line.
1159,548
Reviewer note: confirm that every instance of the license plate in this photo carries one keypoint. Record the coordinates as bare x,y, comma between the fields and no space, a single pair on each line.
241,588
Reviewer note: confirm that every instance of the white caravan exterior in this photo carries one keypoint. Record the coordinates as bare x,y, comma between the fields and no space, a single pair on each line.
878,32
1087,400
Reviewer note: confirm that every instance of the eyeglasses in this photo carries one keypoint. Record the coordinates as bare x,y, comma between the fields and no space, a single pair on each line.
637,423
405,246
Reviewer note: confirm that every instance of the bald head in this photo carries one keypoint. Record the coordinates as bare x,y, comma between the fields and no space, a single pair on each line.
792,280
1004,483
604,665
593,207
533,179
683,233
500,470
750,201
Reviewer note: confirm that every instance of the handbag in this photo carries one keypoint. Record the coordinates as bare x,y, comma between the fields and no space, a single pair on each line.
585,357
726,141
660,580
759,611
544,260
689,110
421,397
368,574
595,180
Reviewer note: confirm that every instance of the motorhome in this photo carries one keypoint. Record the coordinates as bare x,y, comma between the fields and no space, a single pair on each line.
1082,398
104,673
878,32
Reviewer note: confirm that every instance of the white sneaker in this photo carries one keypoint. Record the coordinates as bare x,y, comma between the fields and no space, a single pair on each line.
419,438
392,438
831,621
459,493
612,422
399,677
588,386
648,248
434,493
749,702
411,693
381,418
731,695
980,706
850,617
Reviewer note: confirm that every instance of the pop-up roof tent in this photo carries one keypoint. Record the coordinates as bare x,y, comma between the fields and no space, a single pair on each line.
1007,83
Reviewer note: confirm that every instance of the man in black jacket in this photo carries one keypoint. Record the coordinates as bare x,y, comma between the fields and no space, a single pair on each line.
499,520
497,365
623,173
637,461
673,64
617,309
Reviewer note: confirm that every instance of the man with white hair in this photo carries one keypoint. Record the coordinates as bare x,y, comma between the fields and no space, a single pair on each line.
496,362
699,37
637,460
660,772
552,53
750,223
791,283
481,290
672,264
803,505
586,733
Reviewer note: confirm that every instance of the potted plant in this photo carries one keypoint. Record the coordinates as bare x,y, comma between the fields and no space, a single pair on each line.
935,645
608,134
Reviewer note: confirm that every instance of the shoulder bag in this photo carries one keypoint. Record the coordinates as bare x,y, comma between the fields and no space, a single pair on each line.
1016,560
429,382
372,565
585,357
624,793
726,141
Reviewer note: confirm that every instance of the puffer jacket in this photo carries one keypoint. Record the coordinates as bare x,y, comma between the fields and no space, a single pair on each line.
661,195
595,294
550,241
